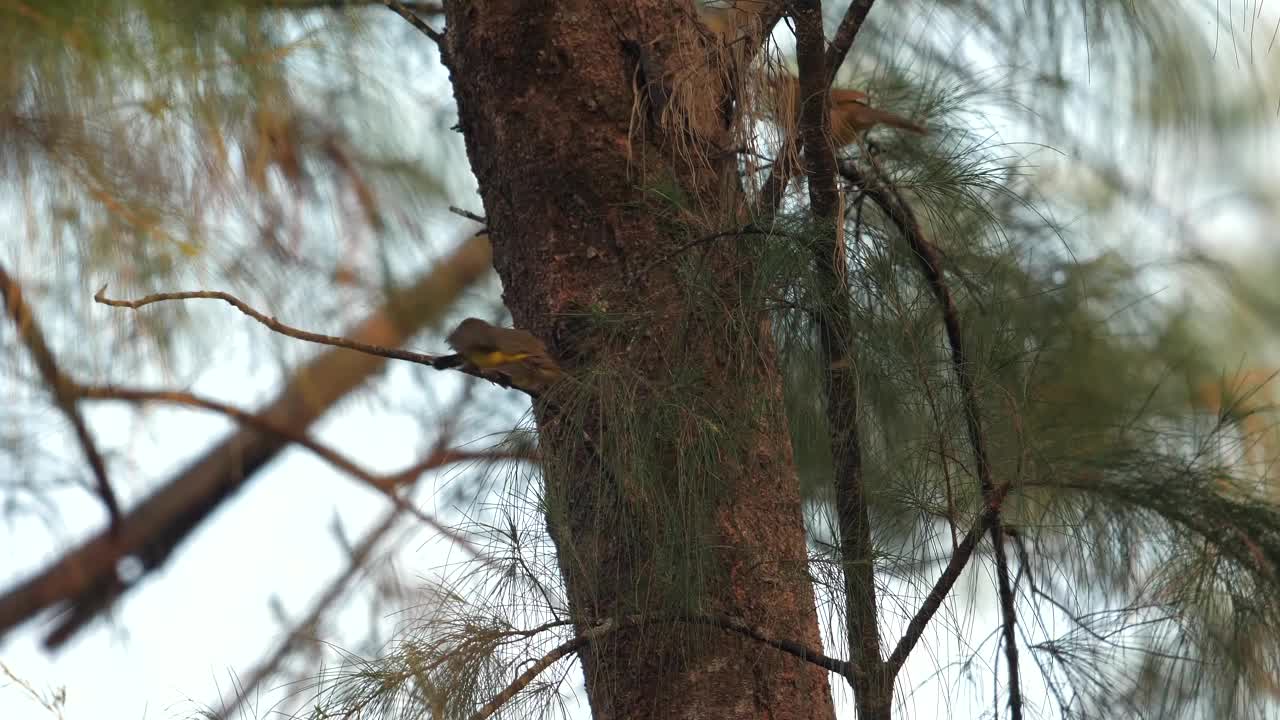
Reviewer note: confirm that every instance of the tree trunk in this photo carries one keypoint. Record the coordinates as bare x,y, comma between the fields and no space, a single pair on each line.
567,112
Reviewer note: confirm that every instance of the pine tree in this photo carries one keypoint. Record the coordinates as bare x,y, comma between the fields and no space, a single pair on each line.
841,390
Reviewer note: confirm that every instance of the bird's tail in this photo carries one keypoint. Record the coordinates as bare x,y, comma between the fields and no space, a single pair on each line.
868,116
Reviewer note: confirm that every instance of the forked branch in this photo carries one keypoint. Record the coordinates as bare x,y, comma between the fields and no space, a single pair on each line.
928,260
775,186
131,541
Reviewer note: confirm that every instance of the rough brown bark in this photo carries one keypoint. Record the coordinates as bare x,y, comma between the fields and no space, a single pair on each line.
562,152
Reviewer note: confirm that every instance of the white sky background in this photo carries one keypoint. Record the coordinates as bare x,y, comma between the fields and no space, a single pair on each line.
177,640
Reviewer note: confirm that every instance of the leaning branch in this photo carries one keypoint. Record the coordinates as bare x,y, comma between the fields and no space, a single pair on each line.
81,615
339,585
947,580
854,17
60,385
533,671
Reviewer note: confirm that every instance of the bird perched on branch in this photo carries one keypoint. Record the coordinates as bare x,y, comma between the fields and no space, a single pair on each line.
515,355
851,115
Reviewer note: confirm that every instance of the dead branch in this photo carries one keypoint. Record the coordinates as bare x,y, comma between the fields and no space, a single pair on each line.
359,556
423,8
468,215
331,340
451,361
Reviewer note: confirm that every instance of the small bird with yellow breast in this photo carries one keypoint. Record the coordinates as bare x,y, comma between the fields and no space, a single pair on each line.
515,355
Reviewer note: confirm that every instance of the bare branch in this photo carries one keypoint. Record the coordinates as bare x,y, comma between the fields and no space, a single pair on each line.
422,8
408,14
468,214
385,485
846,33
775,185
843,668
276,325
60,385
361,552
451,361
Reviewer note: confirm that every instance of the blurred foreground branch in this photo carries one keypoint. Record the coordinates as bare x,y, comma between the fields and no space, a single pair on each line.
60,385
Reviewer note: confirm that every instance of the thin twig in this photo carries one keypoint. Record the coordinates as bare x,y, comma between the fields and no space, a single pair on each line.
468,214
60,385
53,703
424,8
706,239
440,454
400,9
276,325
450,361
